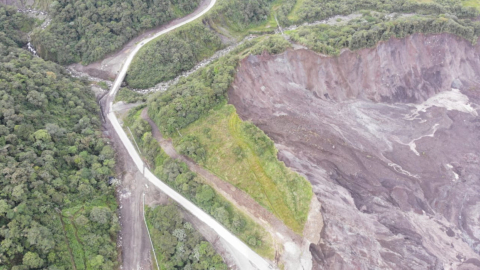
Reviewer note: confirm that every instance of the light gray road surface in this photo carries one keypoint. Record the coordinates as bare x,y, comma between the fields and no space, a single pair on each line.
255,259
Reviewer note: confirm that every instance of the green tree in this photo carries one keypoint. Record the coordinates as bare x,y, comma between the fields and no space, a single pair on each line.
32,260
205,196
4,207
100,215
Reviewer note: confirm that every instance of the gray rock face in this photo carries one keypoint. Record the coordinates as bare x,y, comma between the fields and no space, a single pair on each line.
391,150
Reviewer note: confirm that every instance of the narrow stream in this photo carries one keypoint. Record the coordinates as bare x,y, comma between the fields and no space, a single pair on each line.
30,48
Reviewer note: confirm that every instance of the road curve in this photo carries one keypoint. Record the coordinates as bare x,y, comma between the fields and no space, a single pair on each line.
241,247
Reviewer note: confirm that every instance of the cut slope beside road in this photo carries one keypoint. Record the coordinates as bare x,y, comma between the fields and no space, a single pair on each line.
241,247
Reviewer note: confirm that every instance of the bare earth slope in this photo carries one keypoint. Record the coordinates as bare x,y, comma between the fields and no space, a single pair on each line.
392,151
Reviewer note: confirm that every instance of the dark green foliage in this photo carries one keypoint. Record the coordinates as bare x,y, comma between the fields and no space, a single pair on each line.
261,141
313,10
151,151
177,175
86,31
194,96
189,99
207,132
172,54
238,15
271,44
53,159
283,11
177,243
13,27
129,96
239,153
368,30
191,146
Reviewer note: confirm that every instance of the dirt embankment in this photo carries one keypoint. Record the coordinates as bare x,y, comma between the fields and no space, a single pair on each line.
391,150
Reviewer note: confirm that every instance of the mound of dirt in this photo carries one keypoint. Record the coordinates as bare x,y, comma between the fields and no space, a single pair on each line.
389,139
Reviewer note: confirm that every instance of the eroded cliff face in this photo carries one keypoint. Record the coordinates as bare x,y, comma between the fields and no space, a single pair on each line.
389,139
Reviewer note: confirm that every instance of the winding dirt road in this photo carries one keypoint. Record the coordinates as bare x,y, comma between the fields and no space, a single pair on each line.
114,126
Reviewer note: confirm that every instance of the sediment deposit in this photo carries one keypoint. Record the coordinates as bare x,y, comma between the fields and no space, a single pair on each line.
389,139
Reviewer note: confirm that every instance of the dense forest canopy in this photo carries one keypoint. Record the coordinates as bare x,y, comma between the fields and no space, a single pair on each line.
177,244
173,53
312,10
85,31
240,14
373,27
194,96
56,208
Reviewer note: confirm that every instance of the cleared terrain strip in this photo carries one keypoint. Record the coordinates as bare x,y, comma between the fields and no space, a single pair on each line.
241,247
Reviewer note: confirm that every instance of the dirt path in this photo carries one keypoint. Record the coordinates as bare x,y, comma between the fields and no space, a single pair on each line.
133,239
75,232
108,68
68,242
240,199
133,236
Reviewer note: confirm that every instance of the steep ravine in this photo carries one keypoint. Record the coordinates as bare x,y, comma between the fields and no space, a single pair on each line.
392,151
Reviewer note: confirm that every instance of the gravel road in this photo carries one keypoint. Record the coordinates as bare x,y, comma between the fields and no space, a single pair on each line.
115,130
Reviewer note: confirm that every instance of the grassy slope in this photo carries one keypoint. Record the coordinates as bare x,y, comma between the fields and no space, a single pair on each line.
169,55
471,3
251,228
294,14
268,181
75,232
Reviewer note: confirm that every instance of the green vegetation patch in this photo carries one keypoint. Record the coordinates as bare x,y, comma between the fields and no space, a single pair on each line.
193,187
103,85
13,27
55,164
174,53
177,244
194,96
313,10
472,3
373,27
236,17
268,181
171,54
86,31
129,96
244,156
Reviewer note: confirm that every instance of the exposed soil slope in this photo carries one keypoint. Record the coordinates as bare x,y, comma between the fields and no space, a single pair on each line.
391,150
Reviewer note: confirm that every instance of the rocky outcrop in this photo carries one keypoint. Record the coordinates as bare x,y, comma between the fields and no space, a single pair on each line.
391,150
